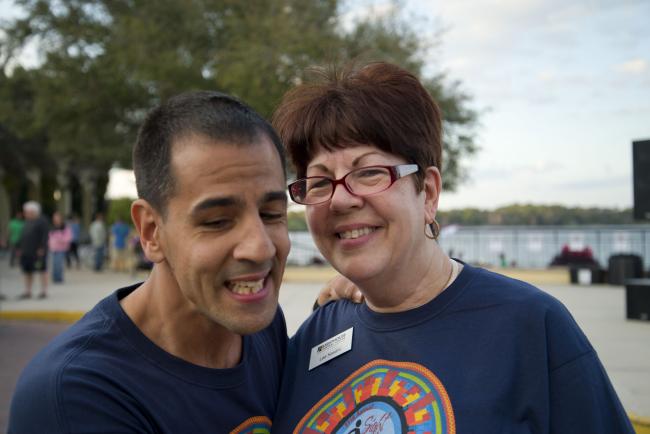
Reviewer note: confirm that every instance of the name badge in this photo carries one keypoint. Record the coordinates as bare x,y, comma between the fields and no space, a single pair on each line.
331,348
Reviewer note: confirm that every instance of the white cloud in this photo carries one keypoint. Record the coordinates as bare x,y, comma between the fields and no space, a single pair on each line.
547,76
518,172
608,182
360,10
9,10
633,66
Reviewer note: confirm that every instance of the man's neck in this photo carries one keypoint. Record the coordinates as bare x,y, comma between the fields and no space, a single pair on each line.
168,319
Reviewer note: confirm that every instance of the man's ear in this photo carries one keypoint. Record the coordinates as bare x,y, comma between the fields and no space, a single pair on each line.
432,188
147,222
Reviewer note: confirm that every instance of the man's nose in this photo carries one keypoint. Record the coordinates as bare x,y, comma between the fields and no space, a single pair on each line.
255,245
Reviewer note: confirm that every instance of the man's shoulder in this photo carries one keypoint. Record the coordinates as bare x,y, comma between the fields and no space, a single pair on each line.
42,222
71,344
66,363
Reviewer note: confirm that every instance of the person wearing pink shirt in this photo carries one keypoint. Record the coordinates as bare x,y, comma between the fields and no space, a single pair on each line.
58,243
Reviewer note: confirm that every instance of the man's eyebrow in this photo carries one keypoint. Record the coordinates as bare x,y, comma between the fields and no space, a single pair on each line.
273,196
215,202
229,201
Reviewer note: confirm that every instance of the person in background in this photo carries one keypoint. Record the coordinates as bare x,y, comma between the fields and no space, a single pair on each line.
97,232
33,248
73,251
58,243
438,345
119,232
16,225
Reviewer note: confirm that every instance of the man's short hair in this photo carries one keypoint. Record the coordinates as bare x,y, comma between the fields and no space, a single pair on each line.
32,206
214,115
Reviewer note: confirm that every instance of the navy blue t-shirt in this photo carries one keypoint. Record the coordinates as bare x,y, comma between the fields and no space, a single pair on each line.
103,375
488,355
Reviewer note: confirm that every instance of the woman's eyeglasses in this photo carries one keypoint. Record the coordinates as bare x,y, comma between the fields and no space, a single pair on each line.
363,181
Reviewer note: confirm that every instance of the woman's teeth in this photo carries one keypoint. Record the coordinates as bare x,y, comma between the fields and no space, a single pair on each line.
246,287
355,233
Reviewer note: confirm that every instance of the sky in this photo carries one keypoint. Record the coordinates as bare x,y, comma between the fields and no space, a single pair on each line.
562,89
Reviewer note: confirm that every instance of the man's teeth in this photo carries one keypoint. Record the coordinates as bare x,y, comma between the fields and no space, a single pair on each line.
246,287
355,233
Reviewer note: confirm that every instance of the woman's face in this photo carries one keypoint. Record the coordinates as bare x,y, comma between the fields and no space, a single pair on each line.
368,239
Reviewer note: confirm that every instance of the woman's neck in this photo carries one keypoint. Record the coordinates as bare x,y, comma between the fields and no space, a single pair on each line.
422,280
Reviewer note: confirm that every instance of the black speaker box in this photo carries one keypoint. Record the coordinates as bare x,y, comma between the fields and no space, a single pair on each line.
637,299
641,167
623,267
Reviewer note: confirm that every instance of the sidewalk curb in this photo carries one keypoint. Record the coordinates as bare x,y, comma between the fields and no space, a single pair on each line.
641,424
42,315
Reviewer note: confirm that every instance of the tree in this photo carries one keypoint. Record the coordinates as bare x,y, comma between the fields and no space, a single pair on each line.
22,146
119,209
536,215
106,62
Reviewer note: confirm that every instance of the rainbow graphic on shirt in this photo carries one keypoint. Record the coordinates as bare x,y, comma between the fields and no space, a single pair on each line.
383,397
254,425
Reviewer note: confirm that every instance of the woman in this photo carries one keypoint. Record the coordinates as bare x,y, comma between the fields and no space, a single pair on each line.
438,346
58,243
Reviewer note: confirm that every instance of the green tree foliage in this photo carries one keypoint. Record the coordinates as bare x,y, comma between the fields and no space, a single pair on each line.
106,62
465,216
21,143
296,221
536,215
119,209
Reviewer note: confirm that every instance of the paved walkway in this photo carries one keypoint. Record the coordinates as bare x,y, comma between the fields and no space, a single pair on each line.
84,288
623,345
20,341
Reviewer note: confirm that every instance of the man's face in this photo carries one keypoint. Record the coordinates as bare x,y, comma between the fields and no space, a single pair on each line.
224,235
30,214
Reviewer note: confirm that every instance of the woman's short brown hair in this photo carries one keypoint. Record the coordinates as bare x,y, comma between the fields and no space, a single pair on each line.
379,104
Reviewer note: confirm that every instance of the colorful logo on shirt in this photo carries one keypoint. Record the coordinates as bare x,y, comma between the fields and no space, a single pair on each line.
383,397
254,425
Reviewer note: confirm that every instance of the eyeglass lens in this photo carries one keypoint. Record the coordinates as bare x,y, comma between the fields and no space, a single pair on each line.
363,181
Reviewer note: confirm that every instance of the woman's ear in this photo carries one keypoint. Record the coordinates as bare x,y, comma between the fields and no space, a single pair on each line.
147,222
432,188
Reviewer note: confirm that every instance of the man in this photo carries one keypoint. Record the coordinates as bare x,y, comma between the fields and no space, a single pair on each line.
32,248
97,233
73,251
15,231
119,232
199,346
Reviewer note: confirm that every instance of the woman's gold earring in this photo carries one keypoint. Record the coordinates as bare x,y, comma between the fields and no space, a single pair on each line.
435,230
426,233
